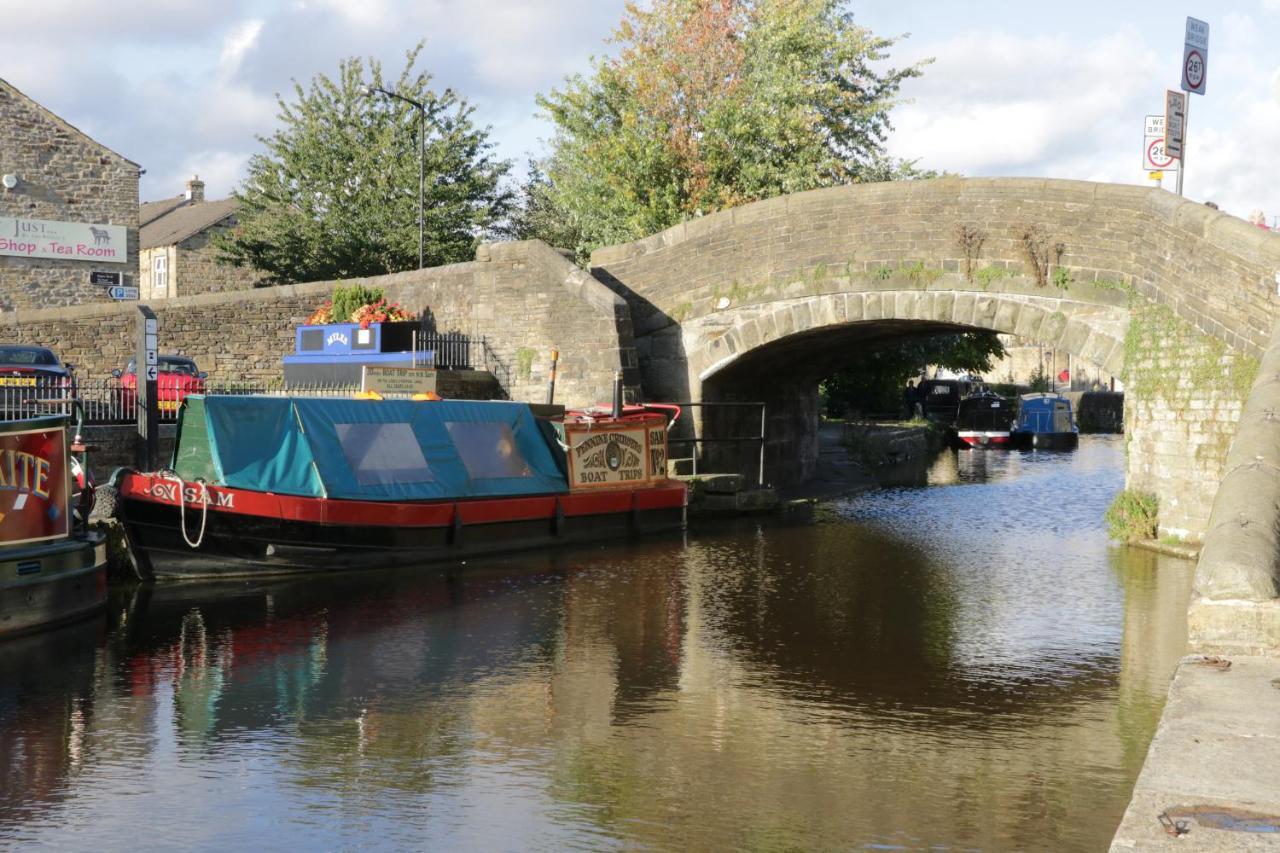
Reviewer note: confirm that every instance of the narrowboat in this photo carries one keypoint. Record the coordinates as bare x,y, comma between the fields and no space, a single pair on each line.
984,420
53,569
264,485
1045,421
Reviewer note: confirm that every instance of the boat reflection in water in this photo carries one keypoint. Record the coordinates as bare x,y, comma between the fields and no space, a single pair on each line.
908,669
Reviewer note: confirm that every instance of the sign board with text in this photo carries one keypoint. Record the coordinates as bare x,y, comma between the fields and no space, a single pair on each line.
1155,157
1175,122
35,485
108,279
70,241
1195,56
122,292
398,380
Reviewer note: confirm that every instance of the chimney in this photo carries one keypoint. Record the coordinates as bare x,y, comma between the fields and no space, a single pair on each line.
195,189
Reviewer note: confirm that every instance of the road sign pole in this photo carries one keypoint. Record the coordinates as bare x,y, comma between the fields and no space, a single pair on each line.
1182,160
148,407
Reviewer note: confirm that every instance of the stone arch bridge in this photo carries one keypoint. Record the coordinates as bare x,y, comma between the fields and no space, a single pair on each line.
1179,299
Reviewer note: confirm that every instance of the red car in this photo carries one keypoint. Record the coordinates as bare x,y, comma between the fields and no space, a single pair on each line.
177,376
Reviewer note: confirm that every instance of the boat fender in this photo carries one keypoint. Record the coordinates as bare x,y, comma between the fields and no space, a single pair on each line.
175,477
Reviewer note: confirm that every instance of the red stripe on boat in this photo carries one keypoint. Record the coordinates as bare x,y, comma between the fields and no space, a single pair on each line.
666,494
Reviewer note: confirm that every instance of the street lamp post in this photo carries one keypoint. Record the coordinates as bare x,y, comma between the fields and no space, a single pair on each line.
368,91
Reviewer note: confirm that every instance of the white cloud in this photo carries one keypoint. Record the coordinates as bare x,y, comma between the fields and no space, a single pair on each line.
1003,104
240,40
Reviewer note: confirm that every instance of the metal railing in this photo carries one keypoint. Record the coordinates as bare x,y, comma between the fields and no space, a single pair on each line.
448,350
695,442
109,402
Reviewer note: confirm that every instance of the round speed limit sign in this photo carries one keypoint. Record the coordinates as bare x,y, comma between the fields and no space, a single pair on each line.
1194,71
1157,159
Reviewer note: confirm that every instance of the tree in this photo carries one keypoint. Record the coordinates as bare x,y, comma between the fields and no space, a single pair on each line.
335,194
710,104
874,382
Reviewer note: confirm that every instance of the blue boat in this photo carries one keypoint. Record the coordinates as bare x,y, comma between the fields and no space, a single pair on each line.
1045,422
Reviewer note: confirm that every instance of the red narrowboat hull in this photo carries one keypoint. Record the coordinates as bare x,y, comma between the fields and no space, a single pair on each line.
985,438
245,532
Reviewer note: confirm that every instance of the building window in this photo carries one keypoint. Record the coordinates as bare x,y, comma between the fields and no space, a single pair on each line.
159,275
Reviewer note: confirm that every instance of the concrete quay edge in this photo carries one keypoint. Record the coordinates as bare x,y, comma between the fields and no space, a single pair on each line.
1217,745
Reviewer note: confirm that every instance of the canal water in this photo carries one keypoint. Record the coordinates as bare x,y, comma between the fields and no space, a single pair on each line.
965,665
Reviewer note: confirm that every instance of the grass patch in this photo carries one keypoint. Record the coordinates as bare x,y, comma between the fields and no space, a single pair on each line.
1133,516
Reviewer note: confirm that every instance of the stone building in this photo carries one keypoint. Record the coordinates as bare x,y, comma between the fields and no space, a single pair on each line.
68,210
1024,360
178,255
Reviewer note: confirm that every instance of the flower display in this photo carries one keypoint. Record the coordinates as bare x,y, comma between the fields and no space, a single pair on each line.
358,304
322,315
381,311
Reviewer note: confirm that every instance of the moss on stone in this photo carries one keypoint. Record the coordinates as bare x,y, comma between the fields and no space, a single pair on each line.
524,363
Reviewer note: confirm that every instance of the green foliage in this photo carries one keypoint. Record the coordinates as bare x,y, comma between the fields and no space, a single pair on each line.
987,275
920,274
347,299
707,104
1040,381
1133,516
1061,278
874,381
884,272
335,194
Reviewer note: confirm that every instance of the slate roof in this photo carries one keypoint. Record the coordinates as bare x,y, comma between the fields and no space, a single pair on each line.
149,211
179,221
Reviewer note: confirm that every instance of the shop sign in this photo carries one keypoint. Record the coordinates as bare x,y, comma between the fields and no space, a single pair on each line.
70,241
34,486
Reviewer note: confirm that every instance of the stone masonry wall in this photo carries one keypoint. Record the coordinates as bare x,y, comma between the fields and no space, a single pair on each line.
62,175
196,268
1217,275
1184,394
525,298
1214,270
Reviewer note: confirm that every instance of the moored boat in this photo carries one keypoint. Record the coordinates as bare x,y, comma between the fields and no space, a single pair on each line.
262,485
52,568
984,420
1046,421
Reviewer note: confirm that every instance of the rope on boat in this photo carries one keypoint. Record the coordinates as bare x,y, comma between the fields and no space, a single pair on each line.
175,477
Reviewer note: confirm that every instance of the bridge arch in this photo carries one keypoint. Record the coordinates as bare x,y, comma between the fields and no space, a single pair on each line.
1177,298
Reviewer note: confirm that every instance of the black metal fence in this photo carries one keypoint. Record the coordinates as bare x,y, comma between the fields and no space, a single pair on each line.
109,401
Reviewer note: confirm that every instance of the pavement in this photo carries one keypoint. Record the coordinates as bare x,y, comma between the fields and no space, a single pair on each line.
1211,780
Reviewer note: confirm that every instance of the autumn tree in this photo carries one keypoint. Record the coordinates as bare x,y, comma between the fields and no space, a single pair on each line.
709,104
335,194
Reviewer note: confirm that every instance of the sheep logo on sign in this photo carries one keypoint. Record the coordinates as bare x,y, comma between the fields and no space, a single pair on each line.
101,236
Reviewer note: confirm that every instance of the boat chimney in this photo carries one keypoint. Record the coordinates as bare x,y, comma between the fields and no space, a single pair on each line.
617,393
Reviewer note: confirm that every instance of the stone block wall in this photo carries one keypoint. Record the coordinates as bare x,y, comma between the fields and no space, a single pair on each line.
65,176
196,269
524,298
1214,270
1184,393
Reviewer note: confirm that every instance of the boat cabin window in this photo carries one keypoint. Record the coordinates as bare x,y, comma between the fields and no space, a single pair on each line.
383,454
487,449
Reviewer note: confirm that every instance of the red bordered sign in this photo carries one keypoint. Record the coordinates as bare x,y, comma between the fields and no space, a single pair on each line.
35,486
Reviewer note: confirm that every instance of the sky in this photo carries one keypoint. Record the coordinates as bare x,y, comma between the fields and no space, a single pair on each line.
185,87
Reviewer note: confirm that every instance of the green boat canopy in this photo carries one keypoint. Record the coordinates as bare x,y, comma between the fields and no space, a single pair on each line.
373,450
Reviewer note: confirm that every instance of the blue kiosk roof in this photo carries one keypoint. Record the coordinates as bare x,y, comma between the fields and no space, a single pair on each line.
373,450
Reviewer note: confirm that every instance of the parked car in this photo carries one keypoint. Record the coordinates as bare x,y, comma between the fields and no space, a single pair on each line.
32,373
176,377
